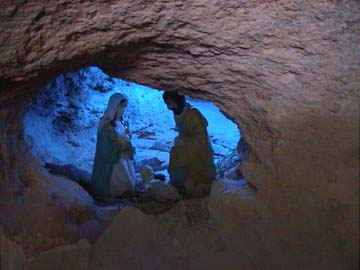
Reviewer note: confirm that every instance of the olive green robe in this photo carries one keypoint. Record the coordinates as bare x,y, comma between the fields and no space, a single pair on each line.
196,153
109,148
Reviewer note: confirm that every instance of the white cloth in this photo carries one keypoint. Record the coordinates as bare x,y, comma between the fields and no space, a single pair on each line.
120,128
123,174
122,178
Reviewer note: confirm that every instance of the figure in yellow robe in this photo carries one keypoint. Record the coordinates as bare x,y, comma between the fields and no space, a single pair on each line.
191,166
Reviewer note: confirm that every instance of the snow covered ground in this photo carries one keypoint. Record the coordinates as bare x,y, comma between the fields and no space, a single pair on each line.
60,126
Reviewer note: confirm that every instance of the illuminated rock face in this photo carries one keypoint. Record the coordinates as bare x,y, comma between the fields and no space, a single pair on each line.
287,72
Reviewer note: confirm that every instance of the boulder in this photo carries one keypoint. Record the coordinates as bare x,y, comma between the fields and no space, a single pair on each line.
135,241
70,257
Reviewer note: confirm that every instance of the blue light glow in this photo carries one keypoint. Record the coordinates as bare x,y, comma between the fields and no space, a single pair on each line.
65,116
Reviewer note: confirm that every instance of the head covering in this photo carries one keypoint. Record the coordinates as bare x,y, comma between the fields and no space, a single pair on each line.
111,110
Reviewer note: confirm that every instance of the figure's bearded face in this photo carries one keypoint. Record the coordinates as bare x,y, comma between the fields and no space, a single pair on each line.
171,104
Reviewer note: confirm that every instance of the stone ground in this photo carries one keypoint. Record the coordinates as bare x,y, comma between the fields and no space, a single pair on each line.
178,233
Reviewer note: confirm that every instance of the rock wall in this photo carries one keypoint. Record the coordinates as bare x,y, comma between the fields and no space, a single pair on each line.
286,71
12,256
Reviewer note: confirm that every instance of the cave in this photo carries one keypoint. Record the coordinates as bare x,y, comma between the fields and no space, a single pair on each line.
285,72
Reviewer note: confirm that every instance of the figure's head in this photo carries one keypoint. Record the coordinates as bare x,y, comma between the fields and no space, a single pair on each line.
116,107
174,101
114,111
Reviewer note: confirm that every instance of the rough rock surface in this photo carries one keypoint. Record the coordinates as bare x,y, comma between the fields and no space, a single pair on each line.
134,241
182,238
50,212
70,257
286,71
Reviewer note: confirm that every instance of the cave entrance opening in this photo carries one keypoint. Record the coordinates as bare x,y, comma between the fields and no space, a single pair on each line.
60,126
